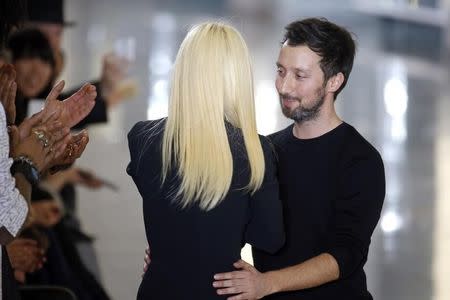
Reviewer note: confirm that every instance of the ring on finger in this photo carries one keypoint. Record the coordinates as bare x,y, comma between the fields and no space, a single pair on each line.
70,150
41,137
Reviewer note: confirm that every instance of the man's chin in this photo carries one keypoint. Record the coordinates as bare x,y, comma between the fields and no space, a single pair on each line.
288,113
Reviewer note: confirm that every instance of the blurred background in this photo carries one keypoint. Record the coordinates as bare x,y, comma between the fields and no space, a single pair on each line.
398,97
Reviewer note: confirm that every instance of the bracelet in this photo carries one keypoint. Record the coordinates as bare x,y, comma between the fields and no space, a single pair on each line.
25,159
23,164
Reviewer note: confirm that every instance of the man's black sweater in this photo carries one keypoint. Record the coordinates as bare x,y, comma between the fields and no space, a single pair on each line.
332,188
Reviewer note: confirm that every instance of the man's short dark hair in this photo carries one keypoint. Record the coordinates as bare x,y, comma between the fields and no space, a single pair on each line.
334,44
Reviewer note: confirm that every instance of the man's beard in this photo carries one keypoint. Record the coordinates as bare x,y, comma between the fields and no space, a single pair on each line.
303,113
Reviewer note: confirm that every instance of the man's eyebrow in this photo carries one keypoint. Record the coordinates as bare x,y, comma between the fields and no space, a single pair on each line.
302,70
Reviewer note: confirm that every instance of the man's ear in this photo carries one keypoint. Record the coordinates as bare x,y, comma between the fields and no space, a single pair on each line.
335,82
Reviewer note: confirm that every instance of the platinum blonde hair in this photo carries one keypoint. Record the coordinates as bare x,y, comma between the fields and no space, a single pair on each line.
212,82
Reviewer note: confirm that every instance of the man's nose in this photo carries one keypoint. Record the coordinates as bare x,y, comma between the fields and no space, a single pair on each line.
287,85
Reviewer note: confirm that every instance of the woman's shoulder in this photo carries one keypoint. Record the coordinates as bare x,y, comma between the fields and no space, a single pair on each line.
144,134
144,128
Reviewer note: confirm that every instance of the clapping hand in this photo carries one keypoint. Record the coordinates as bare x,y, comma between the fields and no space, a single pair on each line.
73,109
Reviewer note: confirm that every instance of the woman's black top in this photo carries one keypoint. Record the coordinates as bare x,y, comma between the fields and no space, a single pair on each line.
188,246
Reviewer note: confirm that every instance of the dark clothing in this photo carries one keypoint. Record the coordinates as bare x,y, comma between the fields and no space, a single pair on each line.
190,245
22,104
65,268
332,188
10,289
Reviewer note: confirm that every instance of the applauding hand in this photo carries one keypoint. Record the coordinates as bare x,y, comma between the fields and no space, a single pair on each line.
73,109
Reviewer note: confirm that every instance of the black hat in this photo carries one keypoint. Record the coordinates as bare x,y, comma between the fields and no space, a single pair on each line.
47,11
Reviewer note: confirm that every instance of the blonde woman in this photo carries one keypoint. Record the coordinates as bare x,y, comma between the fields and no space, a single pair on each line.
207,179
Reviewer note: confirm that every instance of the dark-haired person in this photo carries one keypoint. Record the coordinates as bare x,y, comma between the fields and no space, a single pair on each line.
40,143
32,58
23,157
48,17
332,182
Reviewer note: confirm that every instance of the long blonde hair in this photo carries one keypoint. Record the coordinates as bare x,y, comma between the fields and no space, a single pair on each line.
212,82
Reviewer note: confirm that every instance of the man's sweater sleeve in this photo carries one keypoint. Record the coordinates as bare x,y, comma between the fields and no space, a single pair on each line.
357,210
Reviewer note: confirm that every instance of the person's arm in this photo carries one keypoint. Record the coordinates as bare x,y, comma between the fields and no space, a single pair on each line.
249,283
13,206
358,210
30,158
311,273
24,187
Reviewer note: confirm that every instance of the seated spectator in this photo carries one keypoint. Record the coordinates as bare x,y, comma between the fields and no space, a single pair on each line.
34,63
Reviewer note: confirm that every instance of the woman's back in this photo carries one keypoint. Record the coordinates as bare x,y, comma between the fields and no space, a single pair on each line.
189,245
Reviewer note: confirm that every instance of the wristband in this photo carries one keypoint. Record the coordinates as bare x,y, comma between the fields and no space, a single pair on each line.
25,165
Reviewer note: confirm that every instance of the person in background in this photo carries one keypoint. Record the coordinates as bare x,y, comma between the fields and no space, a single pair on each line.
48,17
37,145
33,60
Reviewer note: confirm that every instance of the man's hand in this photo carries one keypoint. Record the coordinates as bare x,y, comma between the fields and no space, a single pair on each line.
46,213
247,283
114,69
124,90
41,143
37,119
25,255
73,109
75,147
